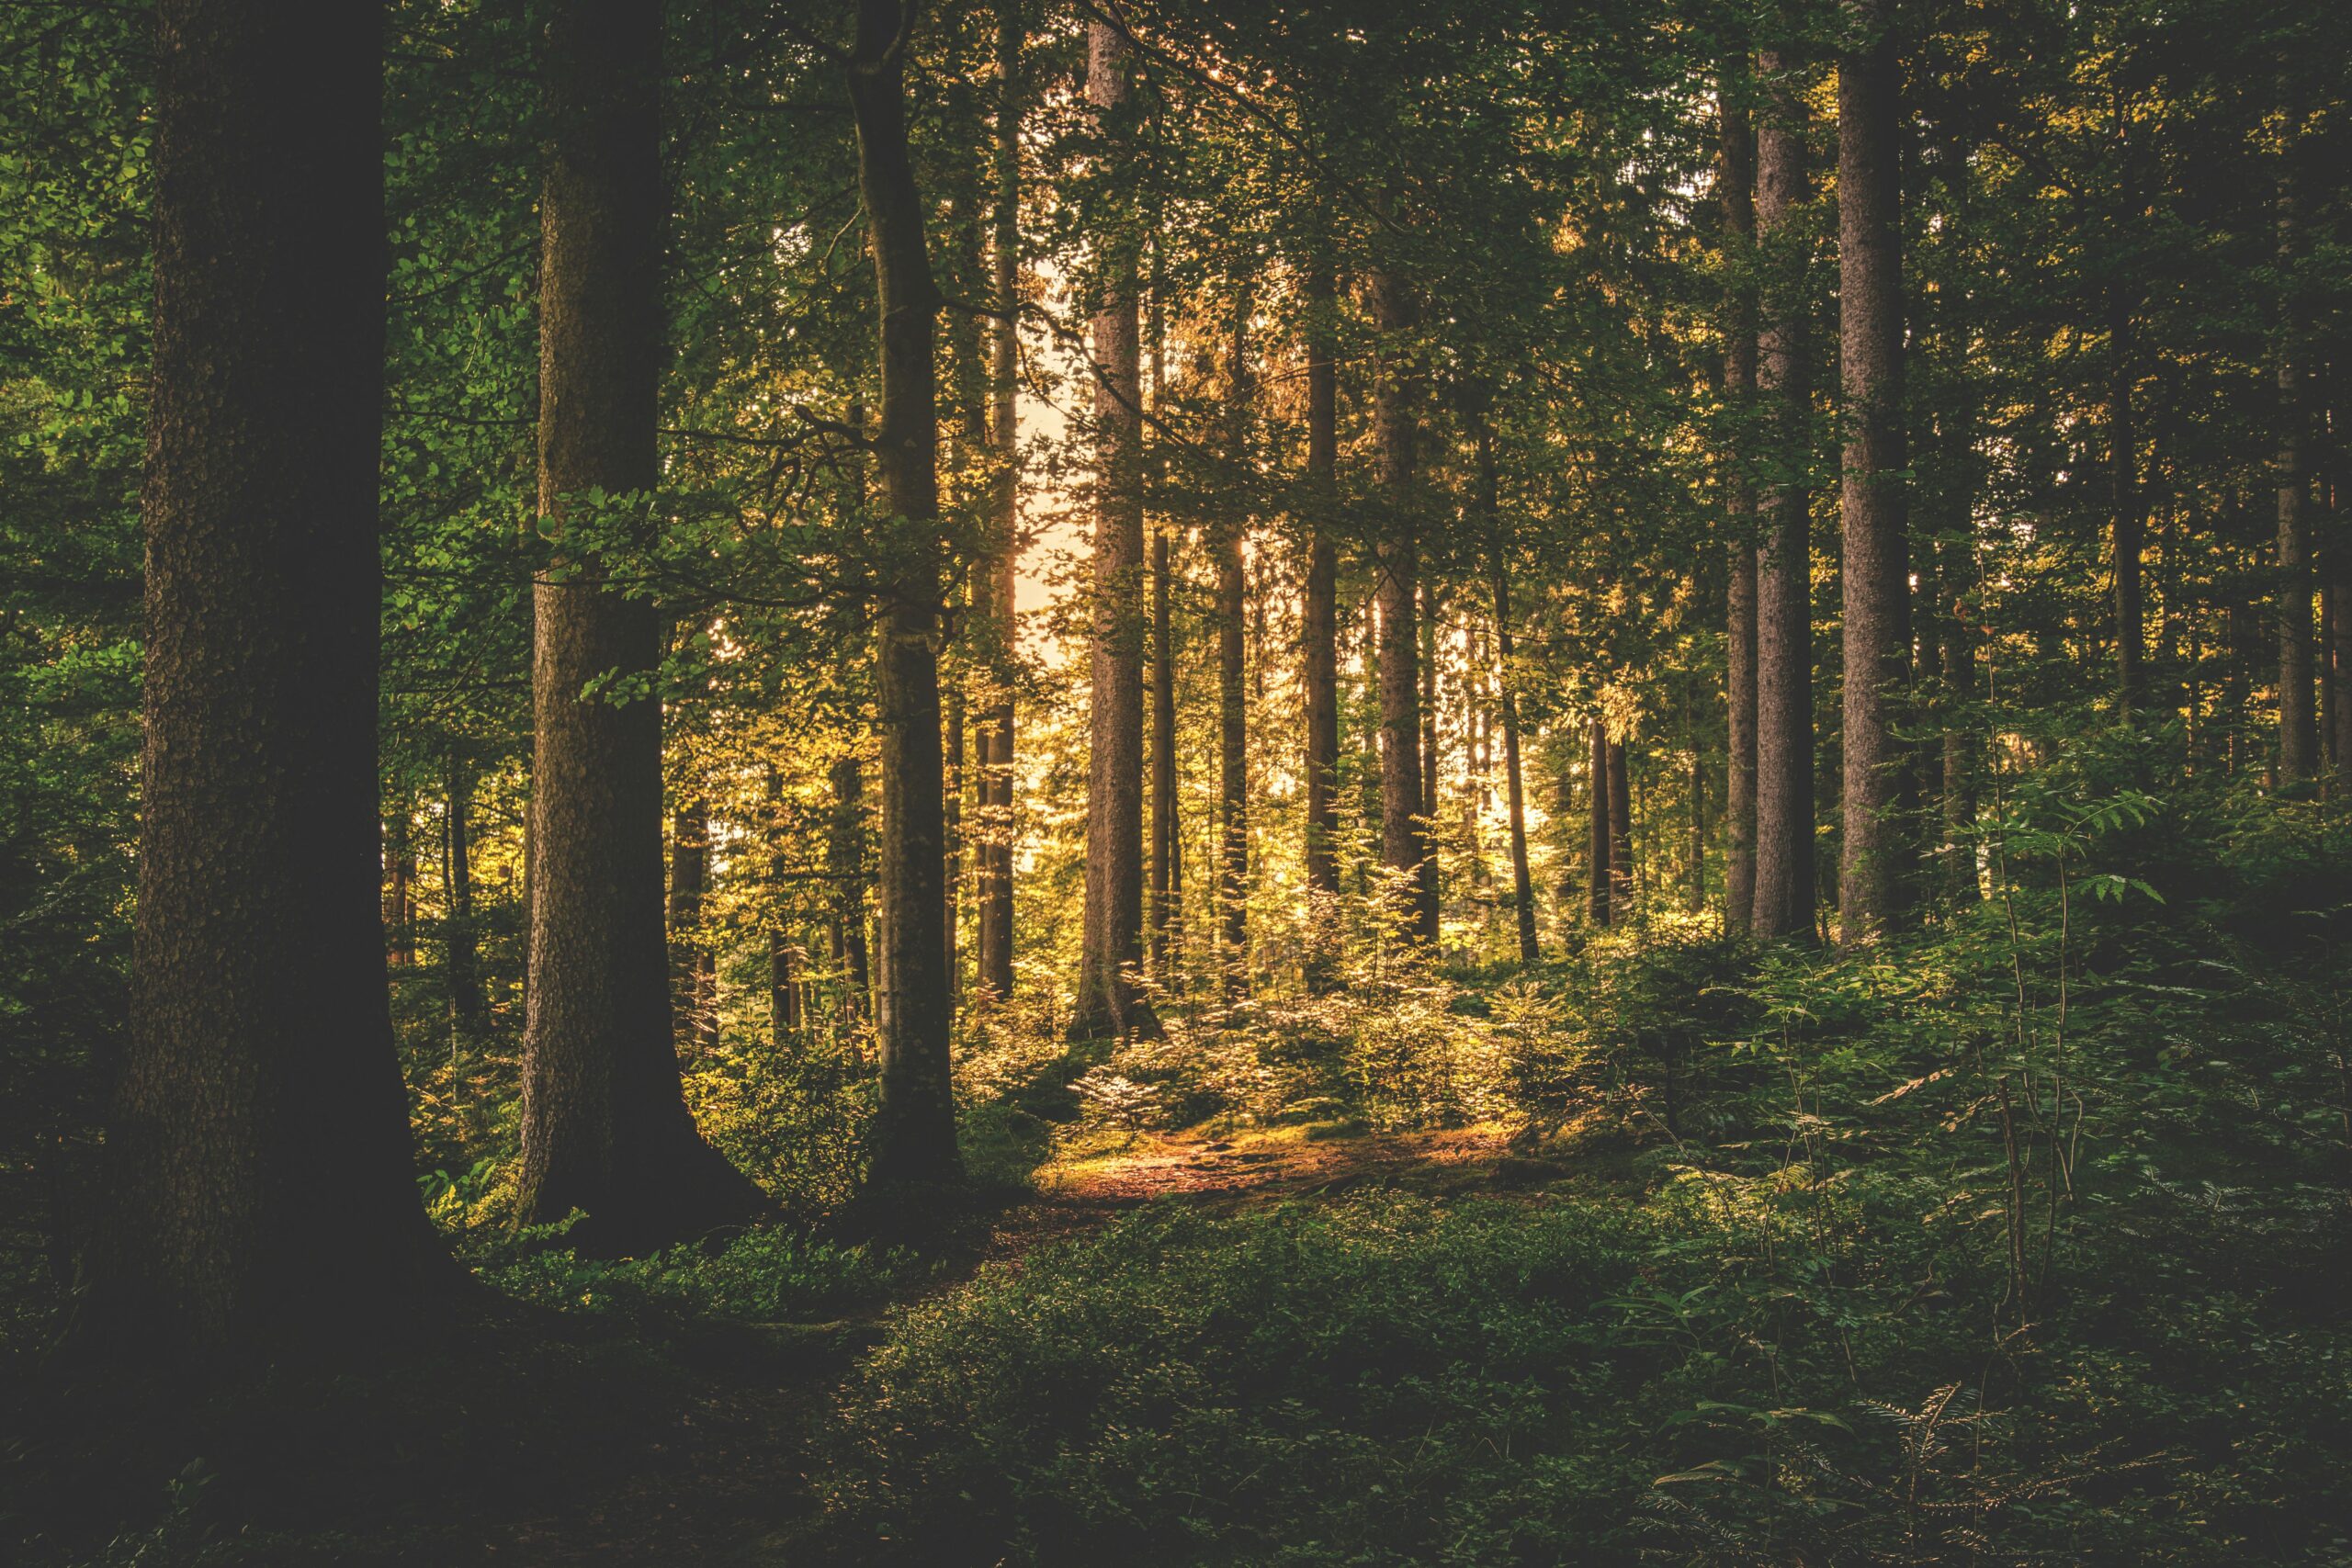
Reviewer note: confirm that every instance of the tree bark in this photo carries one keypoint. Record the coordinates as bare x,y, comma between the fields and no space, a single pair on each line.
2298,735
696,1022
1621,833
1737,172
469,1010
1107,1002
606,1128
1873,877
1507,696
994,977
845,870
912,1140
1785,871
1404,823
1599,880
2128,525
259,1199
1233,710
1319,639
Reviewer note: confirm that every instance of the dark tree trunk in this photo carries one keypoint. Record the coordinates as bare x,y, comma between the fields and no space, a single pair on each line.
1318,638
1873,880
399,891
2298,735
1106,1001
1515,801
1697,898
690,963
783,989
1404,823
1738,165
913,1137
1167,843
259,1199
995,891
1597,868
952,833
2339,648
1621,833
468,1012
1784,874
606,1128
1233,711
2128,523
845,870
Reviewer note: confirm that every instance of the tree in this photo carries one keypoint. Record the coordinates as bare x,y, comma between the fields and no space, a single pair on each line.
1404,822
999,572
1233,718
605,1128
1318,615
1106,1001
1735,176
2298,734
1784,888
259,1199
1872,876
913,1137
1599,845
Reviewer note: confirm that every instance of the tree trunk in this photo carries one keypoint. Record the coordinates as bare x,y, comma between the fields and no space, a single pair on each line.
1784,874
468,1011
2128,525
1404,823
399,892
1318,631
2298,736
1736,162
1598,878
995,892
783,989
1621,833
845,870
1523,885
690,967
259,1199
1874,876
1697,898
952,834
606,1128
1233,710
1167,843
913,1137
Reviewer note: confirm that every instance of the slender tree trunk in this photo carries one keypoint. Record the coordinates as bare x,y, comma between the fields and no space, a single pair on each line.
1874,876
783,989
995,900
1736,162
1620,832
606,1128
259,1199
1785,871
1167,843
2128,525
2338,557
1697,899
1404,822
845,870
2298,736
1599,878
469,1010
1432,614
913,1137
1318,638
400,893
1514,787
1233,710
696,1025
951,831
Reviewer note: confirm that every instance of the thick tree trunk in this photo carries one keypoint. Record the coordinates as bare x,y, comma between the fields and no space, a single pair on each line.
913,1137
1736,164
995,892
2298,735
1784,873
259,1199
1106,1003
696,1019
1621,833
1404,823
468,1011
1598,866
1233,709
1874,881
606,1128
1318,630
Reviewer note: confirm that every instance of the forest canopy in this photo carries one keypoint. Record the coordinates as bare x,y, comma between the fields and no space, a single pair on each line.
1173,780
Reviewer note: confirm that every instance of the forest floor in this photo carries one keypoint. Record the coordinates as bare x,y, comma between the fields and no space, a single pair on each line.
729,1481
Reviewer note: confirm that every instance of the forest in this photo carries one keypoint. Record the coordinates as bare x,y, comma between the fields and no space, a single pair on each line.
1170,781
